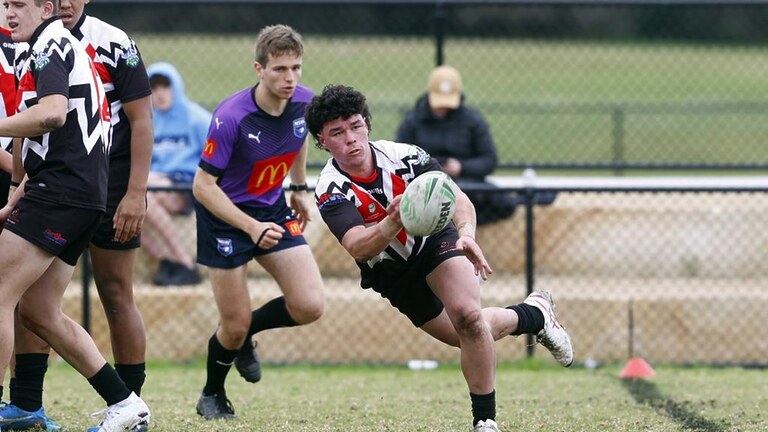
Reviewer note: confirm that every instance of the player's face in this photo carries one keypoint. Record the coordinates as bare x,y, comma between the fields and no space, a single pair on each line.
347,141
71,11
24,17
280,75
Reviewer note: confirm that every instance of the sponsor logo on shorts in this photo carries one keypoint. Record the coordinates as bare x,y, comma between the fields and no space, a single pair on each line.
224,246
54,237
293,227
13,218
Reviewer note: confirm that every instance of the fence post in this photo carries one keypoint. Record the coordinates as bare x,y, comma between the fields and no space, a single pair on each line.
85,258
530,195
439,32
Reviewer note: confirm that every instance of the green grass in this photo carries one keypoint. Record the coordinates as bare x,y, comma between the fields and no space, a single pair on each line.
531,396
505,78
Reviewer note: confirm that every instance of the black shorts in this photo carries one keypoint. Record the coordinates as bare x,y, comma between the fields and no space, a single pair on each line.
404,284
119,174
61,230
220,245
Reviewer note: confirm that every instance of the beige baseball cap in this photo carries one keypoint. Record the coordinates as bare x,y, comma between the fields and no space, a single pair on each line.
444,87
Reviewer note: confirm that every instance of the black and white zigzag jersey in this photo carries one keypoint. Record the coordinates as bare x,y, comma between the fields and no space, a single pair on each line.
7,82
346,201
118,61
67,165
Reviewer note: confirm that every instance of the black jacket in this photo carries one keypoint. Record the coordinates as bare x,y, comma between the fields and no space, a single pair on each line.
463,134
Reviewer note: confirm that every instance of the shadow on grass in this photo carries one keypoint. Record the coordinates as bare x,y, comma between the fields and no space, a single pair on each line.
647,393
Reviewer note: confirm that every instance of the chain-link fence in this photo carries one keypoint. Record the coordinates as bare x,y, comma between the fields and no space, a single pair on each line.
686,260
600,84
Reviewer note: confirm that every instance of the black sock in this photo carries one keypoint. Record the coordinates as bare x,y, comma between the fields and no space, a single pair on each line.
219,362
530,319
133,375
1,392
274,314
483,407
108,385
11,386
28,386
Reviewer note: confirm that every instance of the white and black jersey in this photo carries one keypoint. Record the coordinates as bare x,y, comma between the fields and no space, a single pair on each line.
118,61
67,165
7,82
345,201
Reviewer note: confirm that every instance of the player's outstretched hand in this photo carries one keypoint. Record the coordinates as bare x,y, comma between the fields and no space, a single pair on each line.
475,256
129,217
266,235
393,210
301,207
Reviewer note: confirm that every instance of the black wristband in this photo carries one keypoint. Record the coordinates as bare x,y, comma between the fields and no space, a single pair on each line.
15,183
301,187
262,236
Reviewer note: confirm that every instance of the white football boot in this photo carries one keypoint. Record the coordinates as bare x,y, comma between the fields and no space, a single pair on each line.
126,415
553,335
486,426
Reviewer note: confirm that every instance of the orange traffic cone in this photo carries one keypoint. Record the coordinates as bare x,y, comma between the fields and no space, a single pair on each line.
636,367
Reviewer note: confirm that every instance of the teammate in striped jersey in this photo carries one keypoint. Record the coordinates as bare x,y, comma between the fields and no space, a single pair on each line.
113,246
64,120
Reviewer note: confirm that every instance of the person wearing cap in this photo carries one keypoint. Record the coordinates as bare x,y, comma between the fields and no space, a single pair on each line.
459,137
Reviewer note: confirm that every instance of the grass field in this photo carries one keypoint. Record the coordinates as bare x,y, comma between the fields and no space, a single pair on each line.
531,396
546,101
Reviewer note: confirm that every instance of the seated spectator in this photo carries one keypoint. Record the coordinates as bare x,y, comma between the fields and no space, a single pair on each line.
459,138
180,130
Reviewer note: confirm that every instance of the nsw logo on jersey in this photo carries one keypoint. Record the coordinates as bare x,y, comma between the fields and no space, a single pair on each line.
300,127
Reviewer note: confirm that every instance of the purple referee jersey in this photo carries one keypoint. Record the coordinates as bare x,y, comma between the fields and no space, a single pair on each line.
250,151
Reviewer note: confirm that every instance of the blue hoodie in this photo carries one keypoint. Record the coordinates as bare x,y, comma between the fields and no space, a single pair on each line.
180,132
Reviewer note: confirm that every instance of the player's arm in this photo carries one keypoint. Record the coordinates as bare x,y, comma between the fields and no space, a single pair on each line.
47,115
6,161
465,220
208,193
130,213
300,200
364,243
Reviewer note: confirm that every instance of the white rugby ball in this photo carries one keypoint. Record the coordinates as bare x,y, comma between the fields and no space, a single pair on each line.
428,203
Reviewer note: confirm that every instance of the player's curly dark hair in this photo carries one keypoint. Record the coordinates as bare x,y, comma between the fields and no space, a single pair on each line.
336,101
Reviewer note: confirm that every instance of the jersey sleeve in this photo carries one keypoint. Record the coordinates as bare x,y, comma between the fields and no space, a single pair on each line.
220,143
338,213
128,72
423,161
50,68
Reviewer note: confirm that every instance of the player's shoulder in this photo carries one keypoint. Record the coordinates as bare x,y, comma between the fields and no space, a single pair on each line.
303,94
233,108
103,33
394,149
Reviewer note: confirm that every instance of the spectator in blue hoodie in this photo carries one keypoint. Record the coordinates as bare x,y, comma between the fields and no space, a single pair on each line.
181,127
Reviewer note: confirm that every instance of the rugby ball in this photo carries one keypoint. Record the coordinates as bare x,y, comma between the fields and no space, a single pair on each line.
428,203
